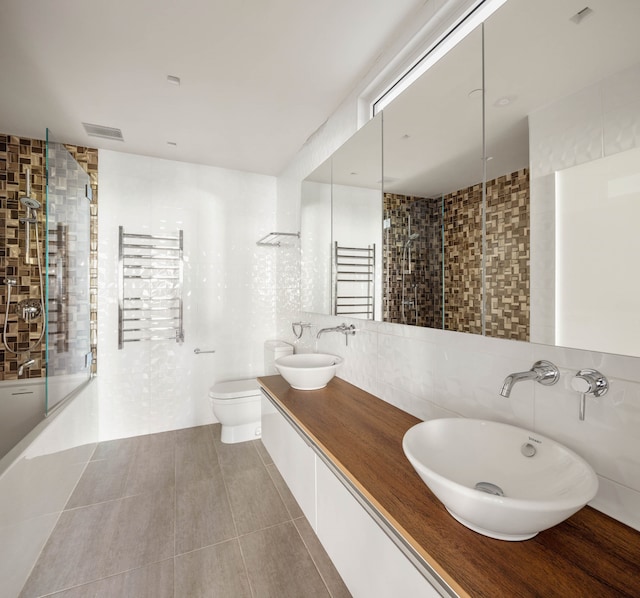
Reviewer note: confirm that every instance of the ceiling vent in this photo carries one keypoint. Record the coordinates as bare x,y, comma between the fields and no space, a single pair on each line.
103,132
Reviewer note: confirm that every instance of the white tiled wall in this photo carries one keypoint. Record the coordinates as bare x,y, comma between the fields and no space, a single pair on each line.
229,288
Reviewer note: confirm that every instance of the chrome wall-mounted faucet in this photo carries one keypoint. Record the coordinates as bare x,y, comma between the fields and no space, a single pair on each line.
25,365
542,371
348,331
589,382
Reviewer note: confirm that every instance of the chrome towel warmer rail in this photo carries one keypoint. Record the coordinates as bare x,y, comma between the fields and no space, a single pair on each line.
151,276
354,281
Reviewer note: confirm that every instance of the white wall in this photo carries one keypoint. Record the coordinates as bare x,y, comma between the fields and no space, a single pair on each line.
361,205
229,288
432,373
315,245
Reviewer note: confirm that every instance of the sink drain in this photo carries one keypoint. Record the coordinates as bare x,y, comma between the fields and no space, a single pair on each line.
489,488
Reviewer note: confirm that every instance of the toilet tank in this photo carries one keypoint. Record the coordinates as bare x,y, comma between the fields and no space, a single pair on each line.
273,350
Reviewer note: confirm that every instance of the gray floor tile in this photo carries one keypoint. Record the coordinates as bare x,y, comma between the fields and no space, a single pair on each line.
142,531
217,571
255,502
93,542
289,500
75,553
101,481
323,563
153,466
263,452
279,565
203,515
152,581
121,448
183,493
196,457
240,456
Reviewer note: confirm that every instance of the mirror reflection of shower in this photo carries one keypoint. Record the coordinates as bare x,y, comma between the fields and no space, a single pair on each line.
31,308
406,269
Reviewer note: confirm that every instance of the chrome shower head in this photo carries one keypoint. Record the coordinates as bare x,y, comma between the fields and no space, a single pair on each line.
412,237
30,202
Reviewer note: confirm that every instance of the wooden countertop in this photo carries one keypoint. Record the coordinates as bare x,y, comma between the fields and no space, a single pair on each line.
590,554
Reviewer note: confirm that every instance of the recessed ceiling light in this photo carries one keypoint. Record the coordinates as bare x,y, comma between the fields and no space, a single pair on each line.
173,79
505,101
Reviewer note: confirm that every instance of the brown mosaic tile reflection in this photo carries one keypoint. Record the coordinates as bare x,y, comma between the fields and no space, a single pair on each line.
507,257
457,234
16,155
423,280
463,260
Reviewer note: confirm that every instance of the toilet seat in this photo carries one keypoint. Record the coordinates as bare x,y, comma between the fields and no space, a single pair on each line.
235,389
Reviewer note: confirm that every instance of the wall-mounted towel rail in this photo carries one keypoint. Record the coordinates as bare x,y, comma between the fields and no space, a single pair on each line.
354,282
150,294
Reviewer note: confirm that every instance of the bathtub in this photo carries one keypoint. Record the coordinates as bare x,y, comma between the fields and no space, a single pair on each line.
39,473
22,408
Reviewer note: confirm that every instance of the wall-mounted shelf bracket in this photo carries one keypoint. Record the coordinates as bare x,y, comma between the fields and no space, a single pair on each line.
275,239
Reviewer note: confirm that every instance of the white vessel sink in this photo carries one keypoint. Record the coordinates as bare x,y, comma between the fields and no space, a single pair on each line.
308,371
481,472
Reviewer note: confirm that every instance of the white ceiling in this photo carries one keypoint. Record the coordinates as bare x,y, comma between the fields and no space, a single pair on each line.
257,76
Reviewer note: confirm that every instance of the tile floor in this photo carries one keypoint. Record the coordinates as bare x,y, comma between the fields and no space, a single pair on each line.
180,514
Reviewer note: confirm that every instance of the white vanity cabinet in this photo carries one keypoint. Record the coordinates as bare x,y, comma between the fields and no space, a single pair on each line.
293,457
370,563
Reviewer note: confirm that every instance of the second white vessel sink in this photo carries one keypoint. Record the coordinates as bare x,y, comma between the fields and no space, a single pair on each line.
308,371
499,480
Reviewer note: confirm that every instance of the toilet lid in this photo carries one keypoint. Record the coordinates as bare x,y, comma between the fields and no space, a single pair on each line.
234,389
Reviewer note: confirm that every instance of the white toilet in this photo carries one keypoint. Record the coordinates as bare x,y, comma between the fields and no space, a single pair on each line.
236,403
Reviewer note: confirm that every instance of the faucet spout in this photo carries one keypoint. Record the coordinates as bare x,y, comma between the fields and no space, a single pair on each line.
511,380
346,330
342,328
26,364
542,371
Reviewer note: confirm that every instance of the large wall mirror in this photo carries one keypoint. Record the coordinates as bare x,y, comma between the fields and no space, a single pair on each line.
535,238
563,83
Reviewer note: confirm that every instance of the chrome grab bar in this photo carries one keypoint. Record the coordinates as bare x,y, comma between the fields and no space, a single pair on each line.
198,351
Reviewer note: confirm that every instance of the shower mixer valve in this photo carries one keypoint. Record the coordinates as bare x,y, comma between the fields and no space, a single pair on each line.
29,309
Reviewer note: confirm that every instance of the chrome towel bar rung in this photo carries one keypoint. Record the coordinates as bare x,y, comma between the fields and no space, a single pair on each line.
150,299
152,237
149,329
137,256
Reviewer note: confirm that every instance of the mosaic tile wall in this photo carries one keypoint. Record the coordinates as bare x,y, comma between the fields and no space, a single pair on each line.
423,284
16,155
507,260
463,260
507,257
